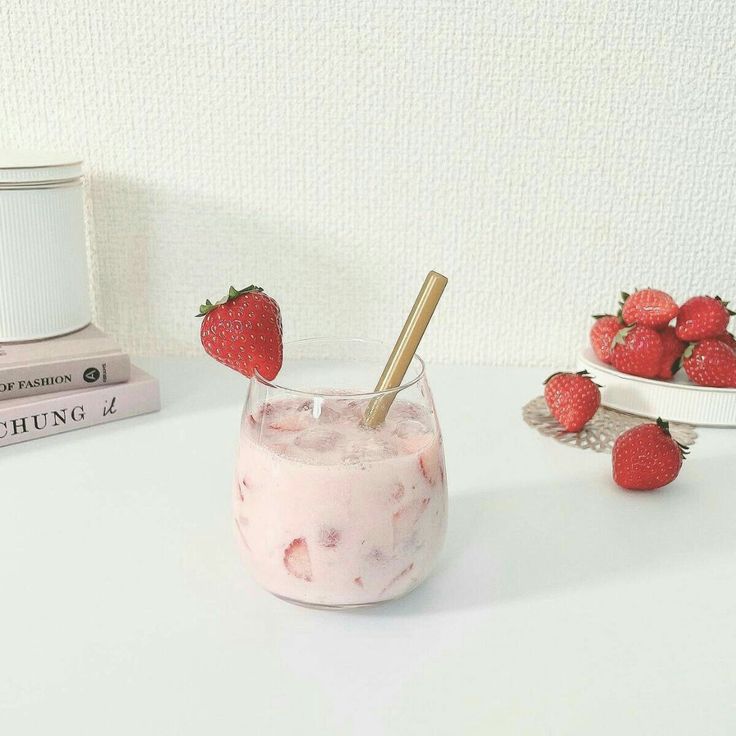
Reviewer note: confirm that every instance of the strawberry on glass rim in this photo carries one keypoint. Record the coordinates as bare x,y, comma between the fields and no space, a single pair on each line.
243,331
340,490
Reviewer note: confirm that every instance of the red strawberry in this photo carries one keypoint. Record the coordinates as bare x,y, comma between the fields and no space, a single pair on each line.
702,317
646,457
296,559
637,350
710,363
672,350
602,333
648,307
243,331
727,339
572,399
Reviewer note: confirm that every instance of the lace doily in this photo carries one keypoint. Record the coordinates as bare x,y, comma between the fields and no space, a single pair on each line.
600,432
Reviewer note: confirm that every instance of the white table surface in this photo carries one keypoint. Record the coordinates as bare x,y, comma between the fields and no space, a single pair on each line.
561,604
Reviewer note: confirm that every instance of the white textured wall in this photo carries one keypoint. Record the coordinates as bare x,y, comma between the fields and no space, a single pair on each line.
542,154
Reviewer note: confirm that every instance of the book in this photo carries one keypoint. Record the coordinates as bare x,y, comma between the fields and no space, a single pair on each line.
40,416
83,359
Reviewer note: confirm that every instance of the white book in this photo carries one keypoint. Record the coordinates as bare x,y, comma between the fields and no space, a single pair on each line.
87,358
40,416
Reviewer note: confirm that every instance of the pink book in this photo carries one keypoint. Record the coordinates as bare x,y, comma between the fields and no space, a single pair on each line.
87,358
40,416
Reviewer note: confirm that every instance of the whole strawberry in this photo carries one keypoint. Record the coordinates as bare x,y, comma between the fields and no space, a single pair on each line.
710,363
646,457
572,399
243,331
602,332
648,307
702,317
637,350
672,349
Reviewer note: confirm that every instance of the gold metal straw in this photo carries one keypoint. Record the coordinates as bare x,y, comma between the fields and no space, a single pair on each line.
405,347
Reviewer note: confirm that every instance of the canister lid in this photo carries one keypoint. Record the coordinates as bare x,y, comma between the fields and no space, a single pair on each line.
38,167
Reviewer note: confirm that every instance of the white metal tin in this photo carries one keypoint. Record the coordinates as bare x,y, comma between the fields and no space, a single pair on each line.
44,283
677,400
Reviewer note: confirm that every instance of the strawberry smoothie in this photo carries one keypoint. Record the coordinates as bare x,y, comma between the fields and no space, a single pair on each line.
330,513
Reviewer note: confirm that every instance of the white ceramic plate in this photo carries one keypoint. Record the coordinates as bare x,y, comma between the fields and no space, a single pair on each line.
677,400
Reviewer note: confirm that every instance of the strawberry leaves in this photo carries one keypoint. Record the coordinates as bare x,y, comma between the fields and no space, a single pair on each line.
725,305
232,293
665,427
621,335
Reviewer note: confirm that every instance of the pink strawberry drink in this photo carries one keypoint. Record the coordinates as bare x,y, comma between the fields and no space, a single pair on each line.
331,513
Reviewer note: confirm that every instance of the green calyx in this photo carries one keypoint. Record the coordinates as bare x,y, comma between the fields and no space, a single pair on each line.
587,375
686,353
725,305
621,335
549,378
233,293
618,316
624,296
665,427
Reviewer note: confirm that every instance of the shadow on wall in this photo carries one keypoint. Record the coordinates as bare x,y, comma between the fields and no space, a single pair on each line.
156,256
121,252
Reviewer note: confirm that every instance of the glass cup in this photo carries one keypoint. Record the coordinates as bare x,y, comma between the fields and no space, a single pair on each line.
330,513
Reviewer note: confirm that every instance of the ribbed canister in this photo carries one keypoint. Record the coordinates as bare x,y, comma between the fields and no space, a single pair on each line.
44,284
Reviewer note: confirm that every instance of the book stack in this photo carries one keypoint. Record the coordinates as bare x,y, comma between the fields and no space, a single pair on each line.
69,382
